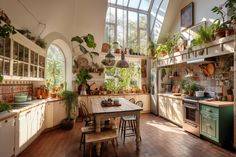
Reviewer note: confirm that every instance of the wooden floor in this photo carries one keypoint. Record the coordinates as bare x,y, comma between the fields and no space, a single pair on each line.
159,139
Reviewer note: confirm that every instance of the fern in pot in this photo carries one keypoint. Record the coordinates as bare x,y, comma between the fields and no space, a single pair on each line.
71,102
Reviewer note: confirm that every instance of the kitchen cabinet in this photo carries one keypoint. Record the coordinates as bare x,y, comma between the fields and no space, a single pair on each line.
29,125
55,113
7,137
171,109
216,124
22,59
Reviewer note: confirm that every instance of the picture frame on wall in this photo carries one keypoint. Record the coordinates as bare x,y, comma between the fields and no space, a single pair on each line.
187,16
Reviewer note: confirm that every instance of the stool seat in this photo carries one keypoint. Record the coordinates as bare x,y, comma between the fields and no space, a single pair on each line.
87,129
99,137
128,118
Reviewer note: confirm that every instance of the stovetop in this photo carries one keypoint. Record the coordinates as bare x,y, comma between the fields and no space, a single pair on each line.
194,99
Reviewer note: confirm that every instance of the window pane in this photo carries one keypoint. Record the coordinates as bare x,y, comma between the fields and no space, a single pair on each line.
121,27
112,1
110,15
132,31
122,2
134,3
145,4
55,68
110,33
143,21
143,42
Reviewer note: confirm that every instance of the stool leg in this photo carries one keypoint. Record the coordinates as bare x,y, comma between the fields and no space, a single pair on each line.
124,132
90,149
113,145
120,124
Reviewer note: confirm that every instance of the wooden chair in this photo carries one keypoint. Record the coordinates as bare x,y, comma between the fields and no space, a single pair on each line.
132,100
129,123
88,118
85,130
100,137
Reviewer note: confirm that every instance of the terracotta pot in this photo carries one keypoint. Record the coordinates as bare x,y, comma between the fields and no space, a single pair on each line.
219,33
105,47
38,93
53,95
118,51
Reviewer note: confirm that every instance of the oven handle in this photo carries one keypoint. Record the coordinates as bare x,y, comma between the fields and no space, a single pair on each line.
195,108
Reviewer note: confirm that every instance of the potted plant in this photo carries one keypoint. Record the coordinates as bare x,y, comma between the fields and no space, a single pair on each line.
151,48
221,29
189,87
116,47
204,35
1,78
161,50
82,77
86,41
6,30
71,102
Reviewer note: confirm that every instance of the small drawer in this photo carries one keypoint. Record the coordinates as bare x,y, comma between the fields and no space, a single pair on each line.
209,109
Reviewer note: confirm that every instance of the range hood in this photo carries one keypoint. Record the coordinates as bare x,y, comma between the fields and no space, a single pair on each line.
201,61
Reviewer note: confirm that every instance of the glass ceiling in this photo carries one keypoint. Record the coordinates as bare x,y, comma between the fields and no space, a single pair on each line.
135,4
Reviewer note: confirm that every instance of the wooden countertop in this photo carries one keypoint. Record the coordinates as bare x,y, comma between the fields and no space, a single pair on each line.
217,103
27,105
170,95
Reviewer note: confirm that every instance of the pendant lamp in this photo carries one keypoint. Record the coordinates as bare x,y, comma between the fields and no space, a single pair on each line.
122,63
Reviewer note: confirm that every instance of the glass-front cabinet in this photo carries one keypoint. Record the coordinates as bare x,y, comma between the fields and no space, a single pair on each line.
20,58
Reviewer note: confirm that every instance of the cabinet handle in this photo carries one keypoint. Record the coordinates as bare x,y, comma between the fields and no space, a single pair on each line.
6,121
28,112
209,110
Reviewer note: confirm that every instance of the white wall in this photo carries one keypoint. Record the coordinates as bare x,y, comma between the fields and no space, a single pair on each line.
202,12
63,18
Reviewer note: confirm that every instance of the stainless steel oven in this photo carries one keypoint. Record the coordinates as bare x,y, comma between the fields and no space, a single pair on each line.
191,116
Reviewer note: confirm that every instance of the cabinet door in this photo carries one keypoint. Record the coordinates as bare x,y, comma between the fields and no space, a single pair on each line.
162,106
7,138
177,111
210,126
41,117
33,122
49,115
23,129
169,108
59,112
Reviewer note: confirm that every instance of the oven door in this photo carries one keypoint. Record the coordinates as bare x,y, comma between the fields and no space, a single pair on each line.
191,113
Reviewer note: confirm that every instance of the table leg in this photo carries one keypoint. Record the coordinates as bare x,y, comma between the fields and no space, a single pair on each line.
137,130
98,129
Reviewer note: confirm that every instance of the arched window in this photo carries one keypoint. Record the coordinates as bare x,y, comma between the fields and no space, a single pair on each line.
55,68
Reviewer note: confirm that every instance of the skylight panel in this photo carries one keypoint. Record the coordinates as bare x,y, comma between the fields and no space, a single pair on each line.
134,4
145,4
122,2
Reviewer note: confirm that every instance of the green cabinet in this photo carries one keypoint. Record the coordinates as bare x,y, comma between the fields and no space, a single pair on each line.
217,124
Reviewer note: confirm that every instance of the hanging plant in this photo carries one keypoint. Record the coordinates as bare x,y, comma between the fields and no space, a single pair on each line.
6,30
86,43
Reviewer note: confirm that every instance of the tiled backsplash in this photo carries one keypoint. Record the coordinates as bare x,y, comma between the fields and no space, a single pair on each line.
9,90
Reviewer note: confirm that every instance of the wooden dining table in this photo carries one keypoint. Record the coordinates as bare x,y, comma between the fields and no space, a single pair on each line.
126,108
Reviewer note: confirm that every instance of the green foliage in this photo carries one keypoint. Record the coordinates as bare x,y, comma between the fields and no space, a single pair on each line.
1,78
83,76
90,43
5,107
204,35
188,86
151,47
230,5
128,78
55,67
71,99
6,30
219,11
162,48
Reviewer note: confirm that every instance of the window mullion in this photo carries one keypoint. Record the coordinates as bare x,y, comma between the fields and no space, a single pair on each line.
115,29
138,34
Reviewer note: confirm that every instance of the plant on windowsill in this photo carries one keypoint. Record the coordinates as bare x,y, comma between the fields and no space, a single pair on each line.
6,30
86,45
82,77
161,50
71,102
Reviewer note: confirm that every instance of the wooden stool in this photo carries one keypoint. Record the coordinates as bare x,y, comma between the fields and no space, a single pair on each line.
100,137
85,130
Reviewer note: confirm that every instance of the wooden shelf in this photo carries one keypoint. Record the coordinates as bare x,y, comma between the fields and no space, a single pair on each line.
126,55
